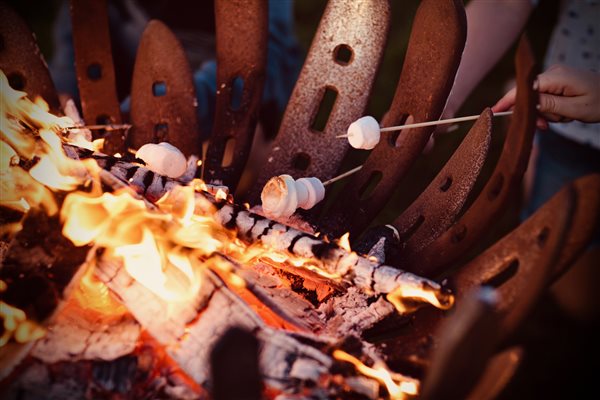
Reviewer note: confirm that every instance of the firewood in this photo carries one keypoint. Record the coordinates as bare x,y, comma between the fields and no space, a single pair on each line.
348,268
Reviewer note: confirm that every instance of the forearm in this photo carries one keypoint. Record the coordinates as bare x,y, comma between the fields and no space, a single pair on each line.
492,27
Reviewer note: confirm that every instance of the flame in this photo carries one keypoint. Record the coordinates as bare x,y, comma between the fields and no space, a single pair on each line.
164,249
404,298
92,294
397,385
344,242
221,195
16,325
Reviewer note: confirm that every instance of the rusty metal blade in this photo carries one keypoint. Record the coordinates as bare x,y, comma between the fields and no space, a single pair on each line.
502,185
163,98
95,69
498,372
242,28
21,59
432,58
437,206
466,341
519,265
585,222
344,57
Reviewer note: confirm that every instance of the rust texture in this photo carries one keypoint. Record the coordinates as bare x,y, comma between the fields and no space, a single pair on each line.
438,205
357,30
432,58
242,28
585,221
95,69
503,184
21,59
163,98
519,266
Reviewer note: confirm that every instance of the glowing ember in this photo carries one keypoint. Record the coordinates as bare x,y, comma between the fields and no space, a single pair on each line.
398,386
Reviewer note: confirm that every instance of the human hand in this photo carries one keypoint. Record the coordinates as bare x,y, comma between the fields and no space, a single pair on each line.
565,94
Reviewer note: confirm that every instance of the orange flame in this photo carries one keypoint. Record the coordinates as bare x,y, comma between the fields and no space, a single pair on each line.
397,385
16,325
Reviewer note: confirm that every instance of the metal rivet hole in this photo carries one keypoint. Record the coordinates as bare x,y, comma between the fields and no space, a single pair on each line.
159,89
343,54
301,161
17,81
94,71
446,183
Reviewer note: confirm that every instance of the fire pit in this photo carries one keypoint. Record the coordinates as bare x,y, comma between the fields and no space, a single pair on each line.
120,282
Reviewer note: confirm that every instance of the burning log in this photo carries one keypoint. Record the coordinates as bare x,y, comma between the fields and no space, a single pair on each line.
188,330
334,264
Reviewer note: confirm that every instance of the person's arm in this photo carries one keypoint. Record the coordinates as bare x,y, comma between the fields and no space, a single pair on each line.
492,27
566,94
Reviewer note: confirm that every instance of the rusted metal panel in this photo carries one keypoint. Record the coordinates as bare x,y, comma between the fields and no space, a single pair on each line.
163,98
95,70
432,58
502,185
344,57
438,205
519,266
242,28
586,221
21,59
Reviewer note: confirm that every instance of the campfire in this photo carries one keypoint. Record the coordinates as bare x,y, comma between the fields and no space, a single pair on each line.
129,270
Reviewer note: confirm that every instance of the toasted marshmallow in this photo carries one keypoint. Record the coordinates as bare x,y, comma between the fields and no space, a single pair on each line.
310,192
364,133
279,197
163,158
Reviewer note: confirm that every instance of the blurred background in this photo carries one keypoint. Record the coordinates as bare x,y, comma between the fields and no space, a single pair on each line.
559,343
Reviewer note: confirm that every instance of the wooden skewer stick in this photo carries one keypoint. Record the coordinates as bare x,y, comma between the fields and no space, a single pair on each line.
431,123
108,127
342,176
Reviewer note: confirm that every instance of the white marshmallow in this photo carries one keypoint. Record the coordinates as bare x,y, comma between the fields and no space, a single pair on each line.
163,158
314,189
364,133
281,196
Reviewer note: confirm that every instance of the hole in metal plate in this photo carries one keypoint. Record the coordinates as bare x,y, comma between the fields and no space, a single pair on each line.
94,71
159,89
301,161
343,54
325,108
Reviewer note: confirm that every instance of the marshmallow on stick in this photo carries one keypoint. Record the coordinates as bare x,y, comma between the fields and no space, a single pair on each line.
282,195
364,133
163,158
